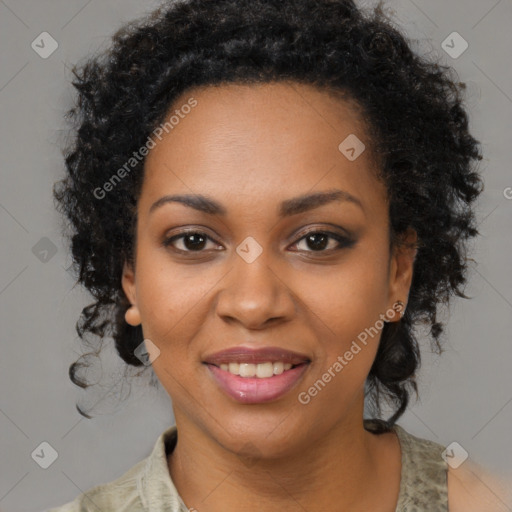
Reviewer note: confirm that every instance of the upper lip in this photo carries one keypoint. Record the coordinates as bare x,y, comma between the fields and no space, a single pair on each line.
242,354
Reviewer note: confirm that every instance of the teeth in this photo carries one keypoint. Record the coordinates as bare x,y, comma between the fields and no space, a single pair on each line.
247,370
264,370
278,368
261,370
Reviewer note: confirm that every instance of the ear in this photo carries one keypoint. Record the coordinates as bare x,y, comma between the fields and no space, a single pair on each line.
132,314
128,283
401,266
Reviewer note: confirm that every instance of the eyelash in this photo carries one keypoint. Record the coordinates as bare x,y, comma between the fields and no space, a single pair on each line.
343,241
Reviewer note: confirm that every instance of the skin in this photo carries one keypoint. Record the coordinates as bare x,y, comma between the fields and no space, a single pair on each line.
250,148
474,488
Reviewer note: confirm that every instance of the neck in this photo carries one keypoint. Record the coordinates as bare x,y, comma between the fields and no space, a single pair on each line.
338,470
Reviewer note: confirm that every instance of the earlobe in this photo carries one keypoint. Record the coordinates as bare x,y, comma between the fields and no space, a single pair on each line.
132,316
395,313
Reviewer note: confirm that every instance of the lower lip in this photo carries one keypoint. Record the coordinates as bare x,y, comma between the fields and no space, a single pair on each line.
253,390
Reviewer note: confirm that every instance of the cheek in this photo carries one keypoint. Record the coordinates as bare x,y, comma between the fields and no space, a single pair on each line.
349,336
172,300
173,311
351,296
350,307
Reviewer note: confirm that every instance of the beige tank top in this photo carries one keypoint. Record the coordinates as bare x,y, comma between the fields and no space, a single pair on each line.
423,477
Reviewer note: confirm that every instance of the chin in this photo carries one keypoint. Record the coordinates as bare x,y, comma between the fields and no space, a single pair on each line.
261,436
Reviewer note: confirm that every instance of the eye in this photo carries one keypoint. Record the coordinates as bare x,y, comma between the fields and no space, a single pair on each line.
324,241
190,241
317,241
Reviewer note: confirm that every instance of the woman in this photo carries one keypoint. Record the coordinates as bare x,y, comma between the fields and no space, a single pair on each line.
267,198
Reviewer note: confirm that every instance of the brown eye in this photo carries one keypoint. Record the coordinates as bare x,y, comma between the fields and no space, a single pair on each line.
191,241
324,241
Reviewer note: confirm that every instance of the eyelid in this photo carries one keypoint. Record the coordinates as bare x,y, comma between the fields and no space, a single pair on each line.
340,234
323,228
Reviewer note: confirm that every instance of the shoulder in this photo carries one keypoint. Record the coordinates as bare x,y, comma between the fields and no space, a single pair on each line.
468,488
136,487
121,495
472,488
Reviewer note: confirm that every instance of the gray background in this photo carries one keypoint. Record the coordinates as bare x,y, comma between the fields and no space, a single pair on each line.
466,394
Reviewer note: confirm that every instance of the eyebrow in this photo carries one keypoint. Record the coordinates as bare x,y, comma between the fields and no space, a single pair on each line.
287,208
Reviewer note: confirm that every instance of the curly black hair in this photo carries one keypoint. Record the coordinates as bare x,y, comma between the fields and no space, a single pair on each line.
413,108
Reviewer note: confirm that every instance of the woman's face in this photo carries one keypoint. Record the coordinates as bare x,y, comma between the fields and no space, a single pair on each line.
250,274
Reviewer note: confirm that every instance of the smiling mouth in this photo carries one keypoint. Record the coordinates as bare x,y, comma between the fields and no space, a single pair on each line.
257,385
256,375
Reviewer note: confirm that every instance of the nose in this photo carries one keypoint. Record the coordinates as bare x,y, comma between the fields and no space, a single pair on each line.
255,295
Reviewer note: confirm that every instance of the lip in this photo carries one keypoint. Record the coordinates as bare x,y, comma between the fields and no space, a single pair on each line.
254,390
242,354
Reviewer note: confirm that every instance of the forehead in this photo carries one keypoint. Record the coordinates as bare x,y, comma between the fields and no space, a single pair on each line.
266,140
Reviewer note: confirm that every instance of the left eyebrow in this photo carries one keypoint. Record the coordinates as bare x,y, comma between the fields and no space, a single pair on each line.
287,208
307,202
